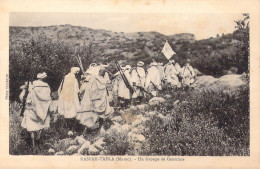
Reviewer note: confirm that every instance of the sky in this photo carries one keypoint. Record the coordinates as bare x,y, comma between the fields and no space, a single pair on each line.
203,26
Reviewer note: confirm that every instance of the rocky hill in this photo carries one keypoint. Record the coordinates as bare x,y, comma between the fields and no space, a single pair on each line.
210,56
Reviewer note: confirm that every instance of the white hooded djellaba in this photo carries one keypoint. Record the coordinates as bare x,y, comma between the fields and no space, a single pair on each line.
36,116
138,78
68,104
188,75
171,73
153,80
95,102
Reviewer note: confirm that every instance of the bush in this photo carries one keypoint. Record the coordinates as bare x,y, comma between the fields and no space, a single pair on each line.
204,124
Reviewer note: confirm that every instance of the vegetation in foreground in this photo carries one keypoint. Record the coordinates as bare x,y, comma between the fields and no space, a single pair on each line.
199,123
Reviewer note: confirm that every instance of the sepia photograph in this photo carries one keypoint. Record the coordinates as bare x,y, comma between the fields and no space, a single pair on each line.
129,84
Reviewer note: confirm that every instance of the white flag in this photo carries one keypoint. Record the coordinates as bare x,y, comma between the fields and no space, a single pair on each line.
167,50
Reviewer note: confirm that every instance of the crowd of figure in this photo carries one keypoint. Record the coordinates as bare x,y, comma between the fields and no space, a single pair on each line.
99,92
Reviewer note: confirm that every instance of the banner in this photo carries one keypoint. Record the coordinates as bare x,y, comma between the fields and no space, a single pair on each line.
167,50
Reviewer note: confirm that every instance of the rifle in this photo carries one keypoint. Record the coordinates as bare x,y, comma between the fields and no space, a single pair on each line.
142,89
27,91
128,85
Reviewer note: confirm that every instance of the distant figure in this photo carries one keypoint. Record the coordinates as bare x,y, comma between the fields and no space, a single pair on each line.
36,116
68,103
138,80
172,71
188,74
153,80
95,105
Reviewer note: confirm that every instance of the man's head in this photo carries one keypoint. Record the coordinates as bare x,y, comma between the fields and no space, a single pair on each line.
42,76
102,72
140,64
75,70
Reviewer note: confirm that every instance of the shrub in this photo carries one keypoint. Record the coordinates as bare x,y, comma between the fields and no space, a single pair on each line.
204,124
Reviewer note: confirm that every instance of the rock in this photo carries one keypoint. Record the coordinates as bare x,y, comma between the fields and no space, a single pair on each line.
156,100
138,137
130,134
138,130
64,144
93,150
73,142
161,116
125,128
176,102
99,144
151,113
102,131
84,148
59,153
80,140
70,133
72,149
142,106
137,122
117,119
51,151
104,152
167,96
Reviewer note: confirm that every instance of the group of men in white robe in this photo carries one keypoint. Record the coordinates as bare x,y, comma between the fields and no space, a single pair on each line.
149,83
89,103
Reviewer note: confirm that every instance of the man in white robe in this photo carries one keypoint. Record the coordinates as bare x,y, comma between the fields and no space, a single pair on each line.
153,80
172,71
138,81
36,115
95,105
188,74
120,89
68,103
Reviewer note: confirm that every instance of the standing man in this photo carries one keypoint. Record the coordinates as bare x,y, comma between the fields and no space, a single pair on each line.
36,116
172,71
95,105
68,103
138,80
124,94
153,80
188,75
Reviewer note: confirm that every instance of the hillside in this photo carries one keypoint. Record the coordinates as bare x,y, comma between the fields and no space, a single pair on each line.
108,45
53,50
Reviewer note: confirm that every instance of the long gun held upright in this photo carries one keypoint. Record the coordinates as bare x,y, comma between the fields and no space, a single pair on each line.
26,92
128,85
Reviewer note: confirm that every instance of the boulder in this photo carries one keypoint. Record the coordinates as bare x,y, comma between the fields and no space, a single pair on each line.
72,149
93,150
226,82
151,113
142,106
59,153
64,144
70,133
80,140
156,100
125,128
138,137
84,148
117,119
51,151
99,144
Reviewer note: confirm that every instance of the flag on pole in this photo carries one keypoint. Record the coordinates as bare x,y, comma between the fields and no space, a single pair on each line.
167,50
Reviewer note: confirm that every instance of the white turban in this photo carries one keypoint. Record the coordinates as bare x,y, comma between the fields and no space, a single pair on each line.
41,75
154,64
140,63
